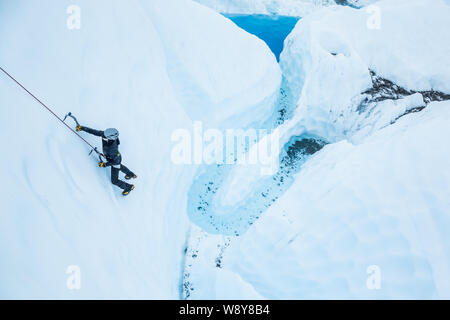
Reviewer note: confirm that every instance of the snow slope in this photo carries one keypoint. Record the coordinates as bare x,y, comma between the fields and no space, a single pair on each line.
413,56
233,80
126,67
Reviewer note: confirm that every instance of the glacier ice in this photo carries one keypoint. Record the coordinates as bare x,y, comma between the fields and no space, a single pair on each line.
363,180
371,197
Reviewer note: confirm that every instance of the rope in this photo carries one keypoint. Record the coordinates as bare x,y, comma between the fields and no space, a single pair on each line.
49,110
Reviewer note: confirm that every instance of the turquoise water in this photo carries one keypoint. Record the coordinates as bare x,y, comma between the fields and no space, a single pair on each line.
205,210
269,28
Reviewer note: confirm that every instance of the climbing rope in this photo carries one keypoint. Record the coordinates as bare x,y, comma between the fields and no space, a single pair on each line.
48,109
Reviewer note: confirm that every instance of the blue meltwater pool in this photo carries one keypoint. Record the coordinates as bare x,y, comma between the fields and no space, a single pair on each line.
272,29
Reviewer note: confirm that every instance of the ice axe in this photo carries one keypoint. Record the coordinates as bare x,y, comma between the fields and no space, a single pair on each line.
100,155
71,116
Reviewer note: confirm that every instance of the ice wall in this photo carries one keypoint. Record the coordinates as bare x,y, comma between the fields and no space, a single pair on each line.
132,65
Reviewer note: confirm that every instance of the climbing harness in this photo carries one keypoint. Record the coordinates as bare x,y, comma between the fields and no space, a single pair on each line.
100,155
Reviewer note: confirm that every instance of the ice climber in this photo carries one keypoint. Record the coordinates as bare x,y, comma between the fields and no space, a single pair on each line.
110,142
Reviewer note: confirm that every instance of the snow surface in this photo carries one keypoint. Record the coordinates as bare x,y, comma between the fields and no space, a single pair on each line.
147,68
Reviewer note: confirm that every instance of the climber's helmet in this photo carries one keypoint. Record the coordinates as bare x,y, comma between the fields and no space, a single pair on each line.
111,134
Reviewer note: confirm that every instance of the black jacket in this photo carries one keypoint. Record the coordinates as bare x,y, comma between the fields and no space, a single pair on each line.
110,147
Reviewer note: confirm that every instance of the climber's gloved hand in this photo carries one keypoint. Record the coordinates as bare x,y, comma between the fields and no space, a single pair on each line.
78,128
101,164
